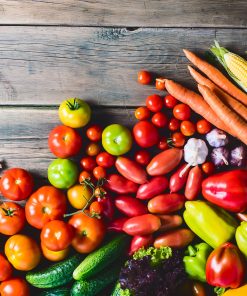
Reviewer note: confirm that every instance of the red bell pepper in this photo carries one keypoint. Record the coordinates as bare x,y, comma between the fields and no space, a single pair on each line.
227,190
225,267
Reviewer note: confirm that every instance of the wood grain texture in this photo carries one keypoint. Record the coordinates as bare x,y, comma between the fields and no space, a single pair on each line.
44,65
138,13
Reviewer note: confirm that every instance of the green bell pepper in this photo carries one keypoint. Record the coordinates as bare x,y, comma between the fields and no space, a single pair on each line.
241,237
212,224
195,261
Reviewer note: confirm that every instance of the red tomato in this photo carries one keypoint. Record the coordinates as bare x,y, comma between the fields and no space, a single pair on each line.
6,269
182,112
16,184
57,235
90,232
160,83
194,183
154,186
140,241
144,77
121,185
178,139
145,134
12,218
142,225
208,168
96,209
94,133
130,206
170,101
159,119
154,103
88,163
166,203
187,128
142,113
142,157
163,145
203,126
14,287
99,172
92,149
174,124
83,176
105,160
179,178
117,225
46,204
64,141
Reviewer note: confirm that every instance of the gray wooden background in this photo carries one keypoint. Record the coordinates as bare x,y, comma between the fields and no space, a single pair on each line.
51,50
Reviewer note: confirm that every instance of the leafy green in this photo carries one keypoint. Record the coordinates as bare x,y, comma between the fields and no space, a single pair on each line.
125,292
219,291
157,255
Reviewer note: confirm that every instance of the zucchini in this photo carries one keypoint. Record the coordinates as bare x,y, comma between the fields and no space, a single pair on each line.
101,258
93,286
56,275
62,291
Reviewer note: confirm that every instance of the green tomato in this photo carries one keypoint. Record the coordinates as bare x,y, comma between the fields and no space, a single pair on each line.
62,173
116,139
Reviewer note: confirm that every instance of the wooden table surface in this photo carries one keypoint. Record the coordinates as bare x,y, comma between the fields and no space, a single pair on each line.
51,50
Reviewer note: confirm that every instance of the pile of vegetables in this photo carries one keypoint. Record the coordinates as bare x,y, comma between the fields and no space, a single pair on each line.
159,210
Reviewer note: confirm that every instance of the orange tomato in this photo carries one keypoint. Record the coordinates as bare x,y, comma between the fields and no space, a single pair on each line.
22,252
54,256
92,149
6,269
78,195
14,287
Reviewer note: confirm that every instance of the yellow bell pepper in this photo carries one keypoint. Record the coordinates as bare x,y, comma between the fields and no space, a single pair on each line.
242,291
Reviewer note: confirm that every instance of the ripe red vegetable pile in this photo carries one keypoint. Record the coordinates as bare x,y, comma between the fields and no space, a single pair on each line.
137,182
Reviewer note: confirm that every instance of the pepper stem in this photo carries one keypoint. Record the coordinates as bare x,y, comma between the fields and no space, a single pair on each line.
192,251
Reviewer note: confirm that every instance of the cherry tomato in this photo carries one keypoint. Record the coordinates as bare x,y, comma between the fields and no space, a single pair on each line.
88,163
16,184
99,172
160,83
154,103
170,101
22,252
142,113
182,112
159,119
54,256
94,133
142,157
163,145
92,149
12,218
174,124
64,141
84,175
145,134
90,232
144,77
208,168
6,269
140,241
79,195
96,209
57,235
105,160
187,128
203,126
46,204
99,192
178,139
14,287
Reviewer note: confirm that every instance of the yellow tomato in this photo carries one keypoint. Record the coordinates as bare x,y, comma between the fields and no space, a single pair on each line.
74,113
78,195
22,252
54,256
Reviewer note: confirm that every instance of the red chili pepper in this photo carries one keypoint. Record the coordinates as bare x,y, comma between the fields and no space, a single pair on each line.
153,187
130,206
108,207
179,178
121,185
140,241
117,224
194,183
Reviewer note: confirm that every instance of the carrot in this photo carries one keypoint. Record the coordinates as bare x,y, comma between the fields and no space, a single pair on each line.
217,77
195,101
228,116
227,99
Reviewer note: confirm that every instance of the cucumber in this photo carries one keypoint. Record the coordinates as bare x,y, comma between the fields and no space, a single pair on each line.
101,258
56,275
93,286
62,291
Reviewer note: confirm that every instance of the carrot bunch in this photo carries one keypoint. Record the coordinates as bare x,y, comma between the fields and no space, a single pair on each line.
221,102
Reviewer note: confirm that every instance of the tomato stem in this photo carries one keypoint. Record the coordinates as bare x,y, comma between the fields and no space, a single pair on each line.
73,105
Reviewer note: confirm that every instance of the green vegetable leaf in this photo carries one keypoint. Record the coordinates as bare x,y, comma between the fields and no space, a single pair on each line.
125,292
157,255
219,291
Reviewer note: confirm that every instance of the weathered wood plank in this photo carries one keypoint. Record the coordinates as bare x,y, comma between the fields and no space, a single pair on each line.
44,65
138,13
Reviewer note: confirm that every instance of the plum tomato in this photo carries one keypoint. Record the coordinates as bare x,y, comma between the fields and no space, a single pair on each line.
143,157
54,256
83,176
187,128
203,126
144,77
78,195
142,113
92,149
208,168
105,160
154,103
88,163
64,141
145,134
6,268
178,139
170,102
163,144
174,124
16,184
182,112
99,172
160,83
159,119
14,287
94,133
